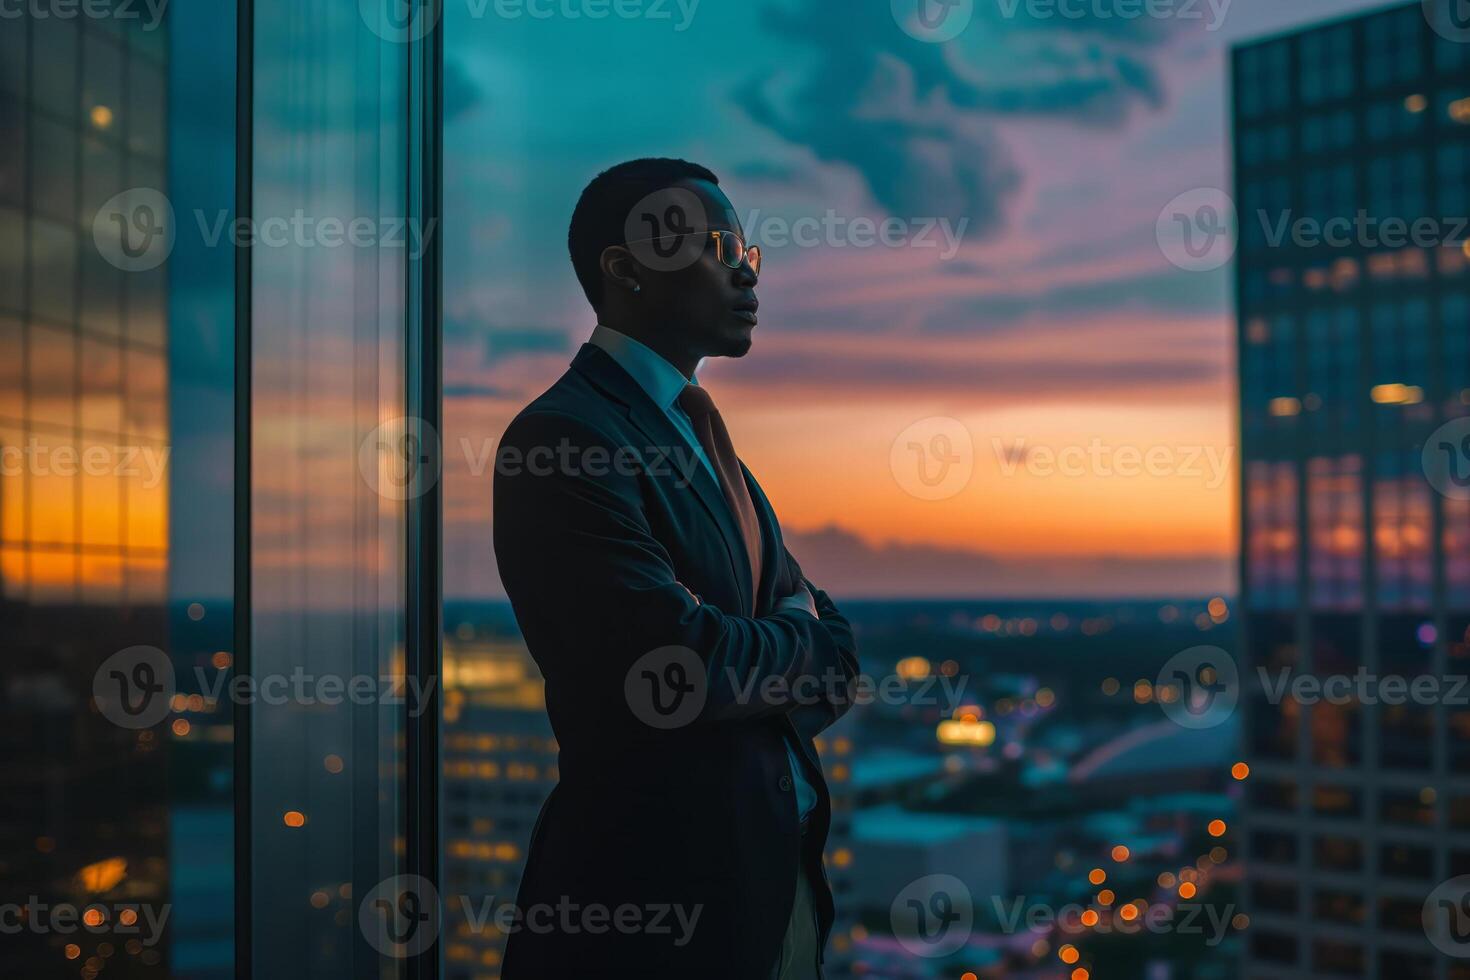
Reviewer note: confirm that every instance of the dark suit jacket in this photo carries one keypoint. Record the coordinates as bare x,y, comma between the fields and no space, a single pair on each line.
605,560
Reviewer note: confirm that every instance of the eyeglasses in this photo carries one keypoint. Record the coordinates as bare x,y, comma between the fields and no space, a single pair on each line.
730,249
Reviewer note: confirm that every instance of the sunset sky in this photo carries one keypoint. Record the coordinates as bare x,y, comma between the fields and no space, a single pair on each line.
1057,322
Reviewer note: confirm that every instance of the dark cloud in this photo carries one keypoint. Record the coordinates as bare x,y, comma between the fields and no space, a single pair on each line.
918,121
498,341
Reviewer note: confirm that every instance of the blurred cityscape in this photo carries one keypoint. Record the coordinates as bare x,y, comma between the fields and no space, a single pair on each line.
1021,747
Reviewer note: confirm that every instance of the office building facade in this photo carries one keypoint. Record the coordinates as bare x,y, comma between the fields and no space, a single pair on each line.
1352,161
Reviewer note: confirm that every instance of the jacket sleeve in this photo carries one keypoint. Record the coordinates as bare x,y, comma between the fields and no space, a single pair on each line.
594,591
839,690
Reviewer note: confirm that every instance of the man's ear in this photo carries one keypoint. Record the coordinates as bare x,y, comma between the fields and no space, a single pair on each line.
619,268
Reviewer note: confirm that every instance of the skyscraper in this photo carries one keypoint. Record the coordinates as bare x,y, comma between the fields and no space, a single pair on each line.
84,434
1352,163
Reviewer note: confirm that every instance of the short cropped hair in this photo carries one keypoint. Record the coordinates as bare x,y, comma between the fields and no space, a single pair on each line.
602,211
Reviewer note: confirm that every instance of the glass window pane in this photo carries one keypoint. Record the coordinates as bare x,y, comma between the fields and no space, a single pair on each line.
146,403
328,525
55,170
54,65
14,61
145,125
51,371
13,138
102,82
12,368
53,270
51,488
13,466
101,392
12,259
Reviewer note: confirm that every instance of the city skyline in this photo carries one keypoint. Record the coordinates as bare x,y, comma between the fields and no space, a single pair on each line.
1038,331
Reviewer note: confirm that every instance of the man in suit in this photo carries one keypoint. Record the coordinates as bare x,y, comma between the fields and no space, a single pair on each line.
688,662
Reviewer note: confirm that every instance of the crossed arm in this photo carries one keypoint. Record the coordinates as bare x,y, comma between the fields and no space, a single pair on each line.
594,591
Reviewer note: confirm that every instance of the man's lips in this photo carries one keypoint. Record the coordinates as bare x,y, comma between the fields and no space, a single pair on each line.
746,311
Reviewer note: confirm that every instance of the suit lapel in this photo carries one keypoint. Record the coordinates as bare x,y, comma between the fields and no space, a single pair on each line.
603,371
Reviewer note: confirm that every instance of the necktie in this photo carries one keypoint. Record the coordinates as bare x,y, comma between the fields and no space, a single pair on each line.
710,429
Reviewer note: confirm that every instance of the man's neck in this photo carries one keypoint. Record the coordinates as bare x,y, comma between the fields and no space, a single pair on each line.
683,361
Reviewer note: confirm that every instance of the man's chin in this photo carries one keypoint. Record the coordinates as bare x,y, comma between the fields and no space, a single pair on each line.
736,343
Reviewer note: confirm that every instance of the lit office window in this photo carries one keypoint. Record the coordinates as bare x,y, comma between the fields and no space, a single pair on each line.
1334,490
1271,500
1401,531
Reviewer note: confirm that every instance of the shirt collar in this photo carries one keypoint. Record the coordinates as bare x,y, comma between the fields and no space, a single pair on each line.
659,379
